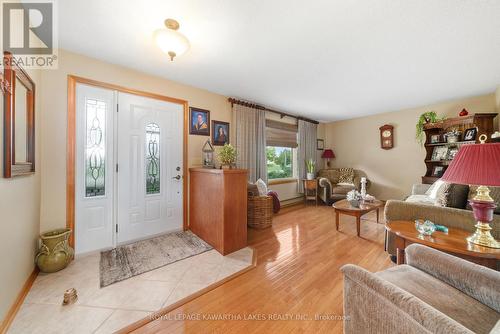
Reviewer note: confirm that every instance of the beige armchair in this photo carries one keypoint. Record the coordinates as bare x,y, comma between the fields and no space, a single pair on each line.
433,293
330,191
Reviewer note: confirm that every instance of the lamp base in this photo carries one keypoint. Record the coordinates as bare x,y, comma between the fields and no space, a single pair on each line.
483,212
483,237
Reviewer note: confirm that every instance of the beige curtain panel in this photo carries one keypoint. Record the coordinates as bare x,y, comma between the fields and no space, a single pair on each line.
251,141
308,133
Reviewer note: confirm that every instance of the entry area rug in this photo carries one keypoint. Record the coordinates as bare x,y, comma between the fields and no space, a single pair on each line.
142,256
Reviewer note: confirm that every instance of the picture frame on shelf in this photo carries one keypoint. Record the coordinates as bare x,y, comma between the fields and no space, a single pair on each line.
452,152
199,121
320,144
438,171
439,153
470,134
435,139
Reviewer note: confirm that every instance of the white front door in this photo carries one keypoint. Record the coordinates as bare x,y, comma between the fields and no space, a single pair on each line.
129,163
149,167
94,186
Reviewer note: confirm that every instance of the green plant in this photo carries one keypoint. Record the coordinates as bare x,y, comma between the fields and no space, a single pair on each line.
310,164
227,155
426,117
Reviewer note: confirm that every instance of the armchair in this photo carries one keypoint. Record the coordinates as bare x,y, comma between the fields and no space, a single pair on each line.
329,189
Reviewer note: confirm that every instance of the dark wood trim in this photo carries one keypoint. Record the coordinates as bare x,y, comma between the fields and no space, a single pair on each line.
71,144
258,106
11,72
11,314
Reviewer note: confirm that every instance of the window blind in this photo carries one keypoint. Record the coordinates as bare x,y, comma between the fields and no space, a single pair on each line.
281,134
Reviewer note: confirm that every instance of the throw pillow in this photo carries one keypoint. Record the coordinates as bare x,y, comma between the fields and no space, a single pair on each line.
452,195
494,193
346,176
252,189
433,190
261,185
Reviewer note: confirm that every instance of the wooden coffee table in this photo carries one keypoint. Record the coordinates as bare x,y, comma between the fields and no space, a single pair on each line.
345,208
452,242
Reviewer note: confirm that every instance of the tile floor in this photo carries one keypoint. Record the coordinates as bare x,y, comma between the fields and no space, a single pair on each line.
113,307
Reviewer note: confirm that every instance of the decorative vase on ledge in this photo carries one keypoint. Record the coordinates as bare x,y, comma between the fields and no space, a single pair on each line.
55,253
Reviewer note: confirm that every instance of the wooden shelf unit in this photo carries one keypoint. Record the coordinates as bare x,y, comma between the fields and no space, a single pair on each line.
482,121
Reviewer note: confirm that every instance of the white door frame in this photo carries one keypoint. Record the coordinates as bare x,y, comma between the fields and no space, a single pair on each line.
71,144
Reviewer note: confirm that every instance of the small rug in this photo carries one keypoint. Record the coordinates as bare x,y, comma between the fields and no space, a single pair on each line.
142,256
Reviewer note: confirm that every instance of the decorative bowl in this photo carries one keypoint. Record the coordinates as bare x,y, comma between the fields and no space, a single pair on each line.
354,203
425,227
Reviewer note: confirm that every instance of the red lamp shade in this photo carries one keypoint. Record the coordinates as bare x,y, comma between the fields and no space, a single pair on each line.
475,164
328,154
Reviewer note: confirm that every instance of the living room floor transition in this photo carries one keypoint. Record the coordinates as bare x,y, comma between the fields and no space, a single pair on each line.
294,277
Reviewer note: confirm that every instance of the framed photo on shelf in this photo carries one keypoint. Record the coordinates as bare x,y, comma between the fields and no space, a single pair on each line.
439,153
435,139
452,152
199,121
220,133
470,134
438,171
320,144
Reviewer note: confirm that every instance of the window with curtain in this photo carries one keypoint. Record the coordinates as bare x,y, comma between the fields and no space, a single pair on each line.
281,153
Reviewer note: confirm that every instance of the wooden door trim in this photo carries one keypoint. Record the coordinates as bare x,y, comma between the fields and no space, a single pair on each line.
71,144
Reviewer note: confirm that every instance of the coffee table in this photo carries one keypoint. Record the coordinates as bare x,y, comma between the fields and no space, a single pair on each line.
345,208
453,242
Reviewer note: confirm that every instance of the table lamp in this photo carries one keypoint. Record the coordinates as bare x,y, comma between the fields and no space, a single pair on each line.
328,154
478,164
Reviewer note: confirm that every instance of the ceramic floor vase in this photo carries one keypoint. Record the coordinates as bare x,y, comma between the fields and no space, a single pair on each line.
55,252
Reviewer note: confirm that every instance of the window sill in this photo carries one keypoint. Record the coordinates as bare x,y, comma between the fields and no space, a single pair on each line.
282,181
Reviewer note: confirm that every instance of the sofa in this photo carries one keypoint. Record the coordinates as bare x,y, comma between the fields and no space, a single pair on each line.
420,205
433,292
330,185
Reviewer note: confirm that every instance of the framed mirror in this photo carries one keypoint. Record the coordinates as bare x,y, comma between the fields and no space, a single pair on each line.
19,121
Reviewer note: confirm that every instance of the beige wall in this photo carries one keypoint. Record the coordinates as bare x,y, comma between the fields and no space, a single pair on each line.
356,143
54,104
19,219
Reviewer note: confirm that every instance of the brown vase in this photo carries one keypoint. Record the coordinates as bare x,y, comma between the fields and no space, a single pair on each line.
55,253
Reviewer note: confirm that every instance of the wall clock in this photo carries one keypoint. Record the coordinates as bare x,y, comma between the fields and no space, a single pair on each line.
386,136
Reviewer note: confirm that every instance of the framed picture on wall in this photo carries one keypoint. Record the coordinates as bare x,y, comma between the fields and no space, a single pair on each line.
199,121
220,133
320,144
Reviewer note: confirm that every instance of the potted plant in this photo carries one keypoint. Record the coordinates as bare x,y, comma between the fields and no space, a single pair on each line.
310,166
227,155
426,117
354,198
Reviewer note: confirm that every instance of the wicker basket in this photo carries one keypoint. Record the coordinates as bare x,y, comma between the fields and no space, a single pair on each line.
260,212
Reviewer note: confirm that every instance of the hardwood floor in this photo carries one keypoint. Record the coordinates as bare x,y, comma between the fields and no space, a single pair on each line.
297,275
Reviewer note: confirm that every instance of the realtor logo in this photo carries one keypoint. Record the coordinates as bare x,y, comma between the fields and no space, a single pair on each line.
29,33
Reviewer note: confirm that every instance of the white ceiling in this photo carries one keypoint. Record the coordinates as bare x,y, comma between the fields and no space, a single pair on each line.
326,60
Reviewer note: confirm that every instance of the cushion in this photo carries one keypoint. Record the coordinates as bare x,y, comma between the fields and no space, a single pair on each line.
342,189
261,185
346,175
252,189
452,195
455,304
494,193
331,174
422,199
433,190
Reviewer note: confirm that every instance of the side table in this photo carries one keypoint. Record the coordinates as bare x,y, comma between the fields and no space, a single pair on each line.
310,190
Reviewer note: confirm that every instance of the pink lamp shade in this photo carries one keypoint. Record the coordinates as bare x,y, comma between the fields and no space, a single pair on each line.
328,154
475,164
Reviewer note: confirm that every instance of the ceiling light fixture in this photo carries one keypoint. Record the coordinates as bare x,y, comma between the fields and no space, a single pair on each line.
170,40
